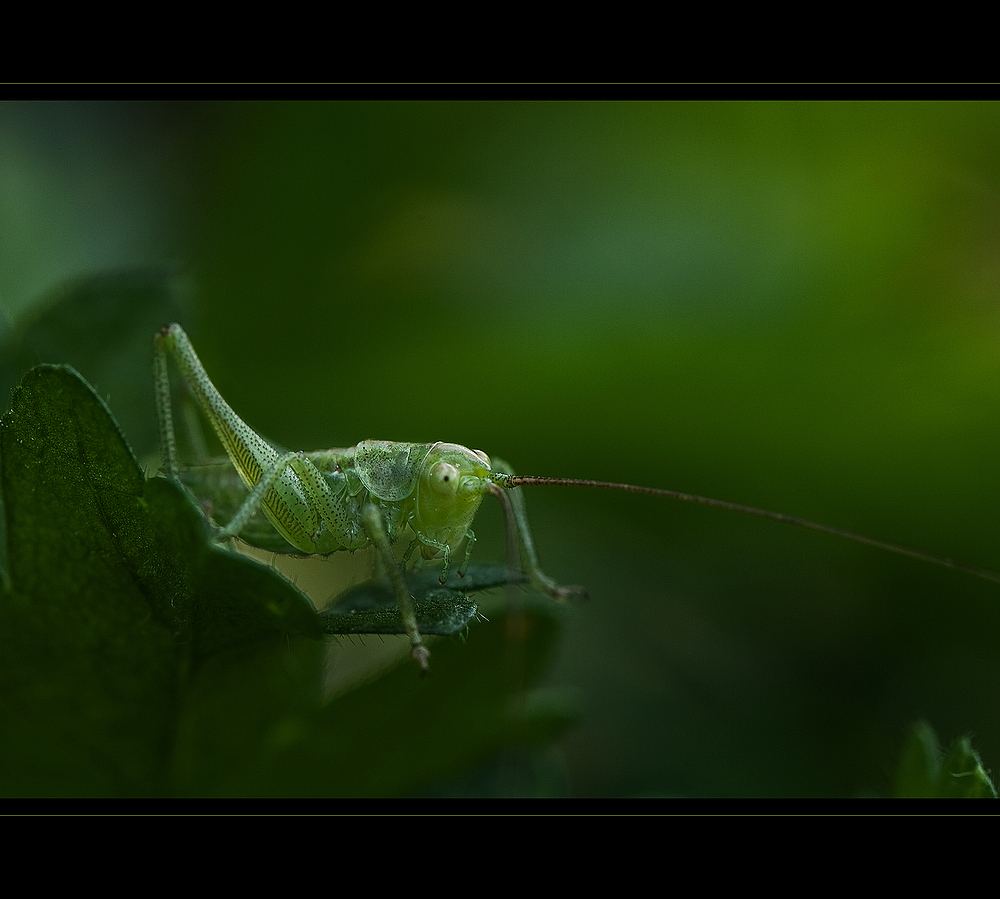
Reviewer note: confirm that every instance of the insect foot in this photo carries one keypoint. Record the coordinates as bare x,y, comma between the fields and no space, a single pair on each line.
556,591
422,655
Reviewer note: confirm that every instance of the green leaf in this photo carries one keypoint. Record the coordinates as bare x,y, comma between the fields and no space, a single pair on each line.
102,324
371,608
142,658
963,775
926,772
86,667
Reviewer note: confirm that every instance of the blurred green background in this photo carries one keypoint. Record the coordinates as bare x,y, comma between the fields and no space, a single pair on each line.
787,305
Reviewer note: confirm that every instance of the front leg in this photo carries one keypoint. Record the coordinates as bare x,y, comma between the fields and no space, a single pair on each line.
529,557
443,549
375,528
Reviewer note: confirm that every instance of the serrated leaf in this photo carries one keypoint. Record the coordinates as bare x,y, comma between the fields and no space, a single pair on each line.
441,609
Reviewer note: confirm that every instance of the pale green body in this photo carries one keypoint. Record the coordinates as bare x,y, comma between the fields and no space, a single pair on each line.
333,500
345,499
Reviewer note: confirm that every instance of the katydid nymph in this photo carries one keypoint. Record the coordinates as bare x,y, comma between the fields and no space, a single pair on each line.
371,494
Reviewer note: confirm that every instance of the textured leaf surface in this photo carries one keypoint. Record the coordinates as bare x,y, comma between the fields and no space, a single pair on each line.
141,658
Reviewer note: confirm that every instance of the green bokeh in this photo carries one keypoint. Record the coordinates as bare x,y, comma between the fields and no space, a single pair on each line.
787,305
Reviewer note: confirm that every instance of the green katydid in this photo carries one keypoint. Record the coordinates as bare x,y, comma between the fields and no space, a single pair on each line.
345,499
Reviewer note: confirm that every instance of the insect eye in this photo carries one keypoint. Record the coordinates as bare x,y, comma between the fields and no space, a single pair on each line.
485,459
444,478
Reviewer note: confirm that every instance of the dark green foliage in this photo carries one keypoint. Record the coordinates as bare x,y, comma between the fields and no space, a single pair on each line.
789,305
141,658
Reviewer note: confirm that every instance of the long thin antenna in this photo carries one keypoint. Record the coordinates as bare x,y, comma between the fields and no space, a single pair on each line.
532,480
